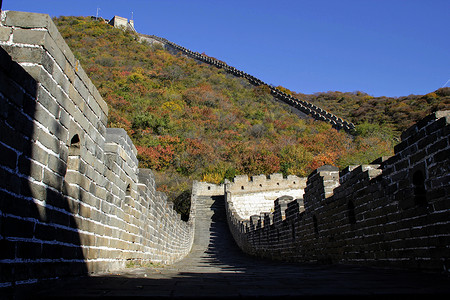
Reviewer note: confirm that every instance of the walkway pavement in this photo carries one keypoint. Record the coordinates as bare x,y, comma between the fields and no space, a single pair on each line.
216,268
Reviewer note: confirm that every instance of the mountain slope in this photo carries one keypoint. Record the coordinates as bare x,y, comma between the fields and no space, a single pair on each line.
398,113
191,121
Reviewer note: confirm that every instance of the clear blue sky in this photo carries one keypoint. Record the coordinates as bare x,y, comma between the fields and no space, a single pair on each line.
381,47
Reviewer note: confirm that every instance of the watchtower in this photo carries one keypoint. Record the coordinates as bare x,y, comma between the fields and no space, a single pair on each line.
121,22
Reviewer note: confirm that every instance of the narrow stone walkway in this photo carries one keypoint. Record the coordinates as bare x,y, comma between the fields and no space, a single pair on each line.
216,268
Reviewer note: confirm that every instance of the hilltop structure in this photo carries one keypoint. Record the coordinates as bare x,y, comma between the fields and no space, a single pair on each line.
121,22
303,107
73,200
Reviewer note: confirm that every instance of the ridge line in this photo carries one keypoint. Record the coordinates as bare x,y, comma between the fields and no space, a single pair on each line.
306,107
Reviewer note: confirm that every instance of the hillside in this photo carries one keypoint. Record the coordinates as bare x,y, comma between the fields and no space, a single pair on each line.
190,121
397,113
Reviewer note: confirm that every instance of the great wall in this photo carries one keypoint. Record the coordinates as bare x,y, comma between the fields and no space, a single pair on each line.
392,213
73,200
305,107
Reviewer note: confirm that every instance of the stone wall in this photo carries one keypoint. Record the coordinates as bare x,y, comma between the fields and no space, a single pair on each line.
305,107
121,22
72,198
209,189
394,212
258,195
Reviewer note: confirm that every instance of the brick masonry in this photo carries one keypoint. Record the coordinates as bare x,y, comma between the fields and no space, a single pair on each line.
394,212
251,197
72,198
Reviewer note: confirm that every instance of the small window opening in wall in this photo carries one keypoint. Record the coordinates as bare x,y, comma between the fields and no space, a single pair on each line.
74,147
209,188
420,197
316,226
278,183
294,182
128,190
260,185
242,187
75,140
351,212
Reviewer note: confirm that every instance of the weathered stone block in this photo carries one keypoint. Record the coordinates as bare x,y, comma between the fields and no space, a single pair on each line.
78,102
26,20
81,88
30,37
5,33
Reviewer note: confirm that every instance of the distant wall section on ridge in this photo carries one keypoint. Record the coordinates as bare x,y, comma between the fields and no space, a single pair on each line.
305,107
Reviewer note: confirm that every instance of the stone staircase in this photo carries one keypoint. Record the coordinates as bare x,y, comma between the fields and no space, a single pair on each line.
213,244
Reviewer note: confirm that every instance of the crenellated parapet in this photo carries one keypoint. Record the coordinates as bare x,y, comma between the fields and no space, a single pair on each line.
305,107
72,198
391,213
259,193
262,183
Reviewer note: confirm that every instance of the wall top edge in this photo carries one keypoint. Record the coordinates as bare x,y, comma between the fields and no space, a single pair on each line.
28,20
262,177
25,19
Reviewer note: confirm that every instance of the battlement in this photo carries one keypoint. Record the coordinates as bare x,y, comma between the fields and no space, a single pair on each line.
263,183
391,213
257,195
208,189
73,200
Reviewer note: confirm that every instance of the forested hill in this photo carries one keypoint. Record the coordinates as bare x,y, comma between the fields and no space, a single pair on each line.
396,113
191,121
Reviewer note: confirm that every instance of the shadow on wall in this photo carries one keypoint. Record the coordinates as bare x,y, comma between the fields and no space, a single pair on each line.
223,271
39,238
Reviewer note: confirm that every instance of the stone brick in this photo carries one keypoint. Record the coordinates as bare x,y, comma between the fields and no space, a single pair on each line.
64,118
29,167
5,33
26,20
61,79
28,250
48,102
54,51
8,157
27,36
39,74
8,251
17,227
11,91
81,88
52,179
417,157
30,55
47,140
57,165
442,156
